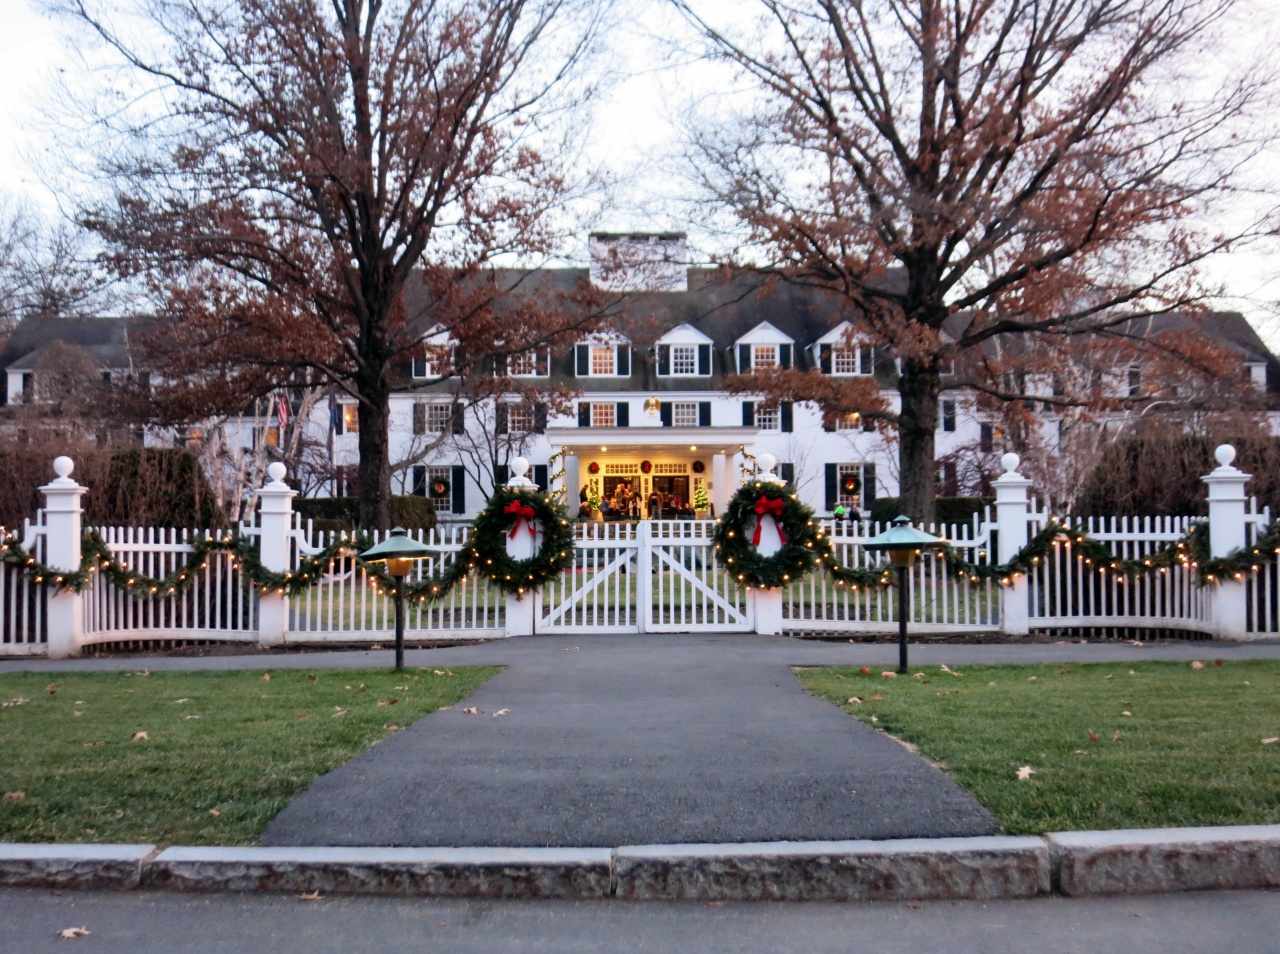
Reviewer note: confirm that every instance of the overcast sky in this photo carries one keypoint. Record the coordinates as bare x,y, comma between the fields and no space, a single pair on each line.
633,130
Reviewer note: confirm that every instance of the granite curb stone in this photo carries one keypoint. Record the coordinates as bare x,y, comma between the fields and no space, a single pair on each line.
1150,861
439,872
73,866
909,869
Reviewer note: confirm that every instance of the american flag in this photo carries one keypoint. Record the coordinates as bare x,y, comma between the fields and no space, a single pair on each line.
282,413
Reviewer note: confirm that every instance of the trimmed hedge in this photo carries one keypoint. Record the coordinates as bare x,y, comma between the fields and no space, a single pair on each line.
1160,476
949,509
341,513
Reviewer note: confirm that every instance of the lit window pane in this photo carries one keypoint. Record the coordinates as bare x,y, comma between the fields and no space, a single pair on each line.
603,359
764,356
603,415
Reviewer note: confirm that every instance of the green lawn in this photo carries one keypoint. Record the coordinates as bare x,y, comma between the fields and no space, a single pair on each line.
1175,745
223,752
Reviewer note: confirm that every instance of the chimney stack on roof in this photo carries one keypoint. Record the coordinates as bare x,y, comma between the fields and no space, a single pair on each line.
639,261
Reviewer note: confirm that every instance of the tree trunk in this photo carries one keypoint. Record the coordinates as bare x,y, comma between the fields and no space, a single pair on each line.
375,461
919,386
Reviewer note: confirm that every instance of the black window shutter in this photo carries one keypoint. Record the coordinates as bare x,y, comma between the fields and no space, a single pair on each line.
584,414
622,414
868,485
339,423
459,488
542,362
583,357
459,359
704,413
624,361
664,360
704,359
748,413
784,356
419,419
744,358
832,481
828,424
419,481
539,419
500,419
787,471
540,476
786,416
866,359
824,358
499,365
664,413
501,474
459,422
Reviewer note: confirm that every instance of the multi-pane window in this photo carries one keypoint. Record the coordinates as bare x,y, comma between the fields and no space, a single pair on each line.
684,414
849,484
767,419
849,422
764,357
684,359
855,360
604,359
350,419
603,415
523,364
948,414
438,418
520,418
424,368
439,489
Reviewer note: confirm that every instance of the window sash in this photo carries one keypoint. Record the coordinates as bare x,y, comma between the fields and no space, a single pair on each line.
684,360
520,418
438,416
764,357
684,414
524,364
768,419
604,359
604,415
350,419
849,422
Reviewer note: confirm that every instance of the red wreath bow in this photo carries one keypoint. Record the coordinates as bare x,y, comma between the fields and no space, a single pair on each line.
774,509
520,512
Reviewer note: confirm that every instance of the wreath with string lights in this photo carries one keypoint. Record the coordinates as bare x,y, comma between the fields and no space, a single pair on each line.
511,512
737,536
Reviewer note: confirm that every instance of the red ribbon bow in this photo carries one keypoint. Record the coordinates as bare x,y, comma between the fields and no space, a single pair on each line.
520,512
774,509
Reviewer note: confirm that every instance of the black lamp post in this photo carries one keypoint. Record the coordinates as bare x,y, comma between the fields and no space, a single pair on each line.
398,552
903,543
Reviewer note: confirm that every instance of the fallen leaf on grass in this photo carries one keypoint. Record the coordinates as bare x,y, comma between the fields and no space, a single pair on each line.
876,698
19,796
387,702
888,675
392,728
14,703
140,737
1093,737
1115,736
76,712
266,677
1217,662
191,717
400,688
340,712
70,934
1109,675
52,688
1270,741
951,672
838,676
1126,713
302,715
1025,772
1079,752
1197,664
1032,679
311,677
1132,673
864,671
214,812
311,896
854,701
874,719
502,712
991,685
1064,672
472,710
175,701
917,675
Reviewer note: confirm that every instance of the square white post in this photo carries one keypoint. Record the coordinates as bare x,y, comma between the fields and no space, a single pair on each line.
63,533
1011,520
720,489
572,483
275,550
768,603
1228,610
522,611
644,573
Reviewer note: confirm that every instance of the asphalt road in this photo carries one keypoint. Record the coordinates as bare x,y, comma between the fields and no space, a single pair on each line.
1241,922
635,742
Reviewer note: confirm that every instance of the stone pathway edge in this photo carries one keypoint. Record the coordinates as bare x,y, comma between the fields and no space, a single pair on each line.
1077,863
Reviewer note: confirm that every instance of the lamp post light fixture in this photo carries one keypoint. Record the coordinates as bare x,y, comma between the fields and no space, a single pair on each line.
903,543
399,552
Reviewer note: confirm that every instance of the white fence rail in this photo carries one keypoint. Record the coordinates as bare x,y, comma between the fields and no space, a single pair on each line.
218,605
24,604
344,606
941,603
1262,588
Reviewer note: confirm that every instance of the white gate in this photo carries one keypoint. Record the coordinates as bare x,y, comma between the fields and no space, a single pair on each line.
656,576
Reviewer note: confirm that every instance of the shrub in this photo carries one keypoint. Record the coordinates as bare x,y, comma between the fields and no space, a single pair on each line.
950,509
341,513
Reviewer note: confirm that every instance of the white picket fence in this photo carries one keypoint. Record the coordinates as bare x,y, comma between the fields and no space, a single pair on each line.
646,577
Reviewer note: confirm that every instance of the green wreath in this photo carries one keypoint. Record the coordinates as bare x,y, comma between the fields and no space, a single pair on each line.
509,511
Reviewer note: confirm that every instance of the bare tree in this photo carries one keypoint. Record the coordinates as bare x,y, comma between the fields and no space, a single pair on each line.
963,172
301,164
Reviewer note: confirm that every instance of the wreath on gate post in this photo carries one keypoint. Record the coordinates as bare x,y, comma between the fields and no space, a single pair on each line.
737,536
510,512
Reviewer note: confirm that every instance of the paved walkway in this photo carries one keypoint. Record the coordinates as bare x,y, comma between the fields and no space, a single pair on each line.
613,740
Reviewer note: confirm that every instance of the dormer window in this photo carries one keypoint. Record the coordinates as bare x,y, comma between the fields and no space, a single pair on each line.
764,357
764,348
527,364
602,359
854,360
684,352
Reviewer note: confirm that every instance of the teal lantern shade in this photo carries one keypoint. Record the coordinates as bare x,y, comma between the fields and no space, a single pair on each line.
398,552
903,542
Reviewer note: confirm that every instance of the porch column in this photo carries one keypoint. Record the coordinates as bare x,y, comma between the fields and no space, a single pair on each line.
1011,518
62,519
1228,603
275,529
768,602
720,491
572,487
